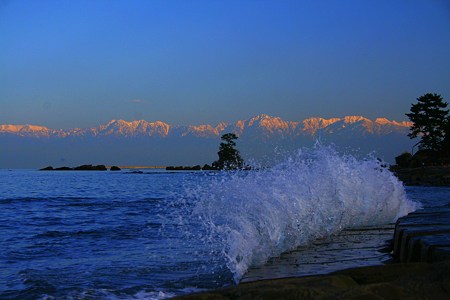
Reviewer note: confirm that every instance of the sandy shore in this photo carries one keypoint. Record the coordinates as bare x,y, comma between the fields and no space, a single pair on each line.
392,281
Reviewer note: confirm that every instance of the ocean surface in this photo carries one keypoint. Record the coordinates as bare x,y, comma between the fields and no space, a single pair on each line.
157,234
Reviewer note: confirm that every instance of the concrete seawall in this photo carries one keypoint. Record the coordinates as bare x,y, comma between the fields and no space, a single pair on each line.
423,236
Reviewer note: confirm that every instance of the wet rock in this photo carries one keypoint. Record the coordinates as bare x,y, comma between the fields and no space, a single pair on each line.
79,168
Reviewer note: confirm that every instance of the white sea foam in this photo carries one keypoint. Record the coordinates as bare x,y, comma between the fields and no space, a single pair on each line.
260,214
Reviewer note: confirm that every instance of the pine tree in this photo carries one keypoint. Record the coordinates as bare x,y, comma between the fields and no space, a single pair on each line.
429,117
446,142
229,157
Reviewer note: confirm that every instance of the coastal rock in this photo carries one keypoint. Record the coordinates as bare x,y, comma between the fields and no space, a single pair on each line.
91,168
63,169
49,168
115,168
79,168
184,168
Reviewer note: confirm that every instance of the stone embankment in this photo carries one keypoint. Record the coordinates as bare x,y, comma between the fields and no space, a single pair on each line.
423,236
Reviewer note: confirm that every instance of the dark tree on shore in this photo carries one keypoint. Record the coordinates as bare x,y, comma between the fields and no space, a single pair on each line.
430,120
403,160
446,142
229,157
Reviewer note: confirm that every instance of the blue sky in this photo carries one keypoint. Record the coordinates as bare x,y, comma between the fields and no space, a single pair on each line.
66,64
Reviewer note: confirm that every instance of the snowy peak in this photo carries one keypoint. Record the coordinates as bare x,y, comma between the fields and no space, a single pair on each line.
27,130
202,131
312,125
379,126
355,119
269,125
130,129
23,128
221,126
384,121
268,122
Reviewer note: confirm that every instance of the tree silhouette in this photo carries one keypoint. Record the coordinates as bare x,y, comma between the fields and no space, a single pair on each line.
403,160
430,118
446,141
229,157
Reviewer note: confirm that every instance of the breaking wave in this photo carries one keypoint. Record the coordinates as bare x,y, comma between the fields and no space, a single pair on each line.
254,215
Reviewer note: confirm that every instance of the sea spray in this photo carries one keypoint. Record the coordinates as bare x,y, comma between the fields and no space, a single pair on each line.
255,215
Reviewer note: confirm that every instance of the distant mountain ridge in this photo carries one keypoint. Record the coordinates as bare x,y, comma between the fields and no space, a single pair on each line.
266,124
140,142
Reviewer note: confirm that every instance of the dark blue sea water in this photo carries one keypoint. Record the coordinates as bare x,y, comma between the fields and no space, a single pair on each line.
122,235
99,235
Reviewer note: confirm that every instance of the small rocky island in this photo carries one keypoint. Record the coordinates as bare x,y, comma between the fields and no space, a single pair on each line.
82,168
229,158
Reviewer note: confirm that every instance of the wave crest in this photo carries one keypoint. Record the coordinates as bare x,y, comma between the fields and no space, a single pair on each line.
315,193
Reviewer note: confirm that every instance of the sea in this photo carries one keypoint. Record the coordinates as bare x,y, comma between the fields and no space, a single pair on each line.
156,234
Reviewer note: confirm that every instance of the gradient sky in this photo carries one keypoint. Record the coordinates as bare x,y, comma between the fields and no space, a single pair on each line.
66,64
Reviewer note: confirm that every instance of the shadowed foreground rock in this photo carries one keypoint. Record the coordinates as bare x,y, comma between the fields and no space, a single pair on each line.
394,281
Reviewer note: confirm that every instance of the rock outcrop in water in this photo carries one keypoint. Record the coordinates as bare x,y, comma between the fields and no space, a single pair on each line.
184,168
79,168
91,168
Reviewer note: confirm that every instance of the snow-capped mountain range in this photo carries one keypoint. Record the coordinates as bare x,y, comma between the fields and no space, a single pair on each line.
266,125
158,143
